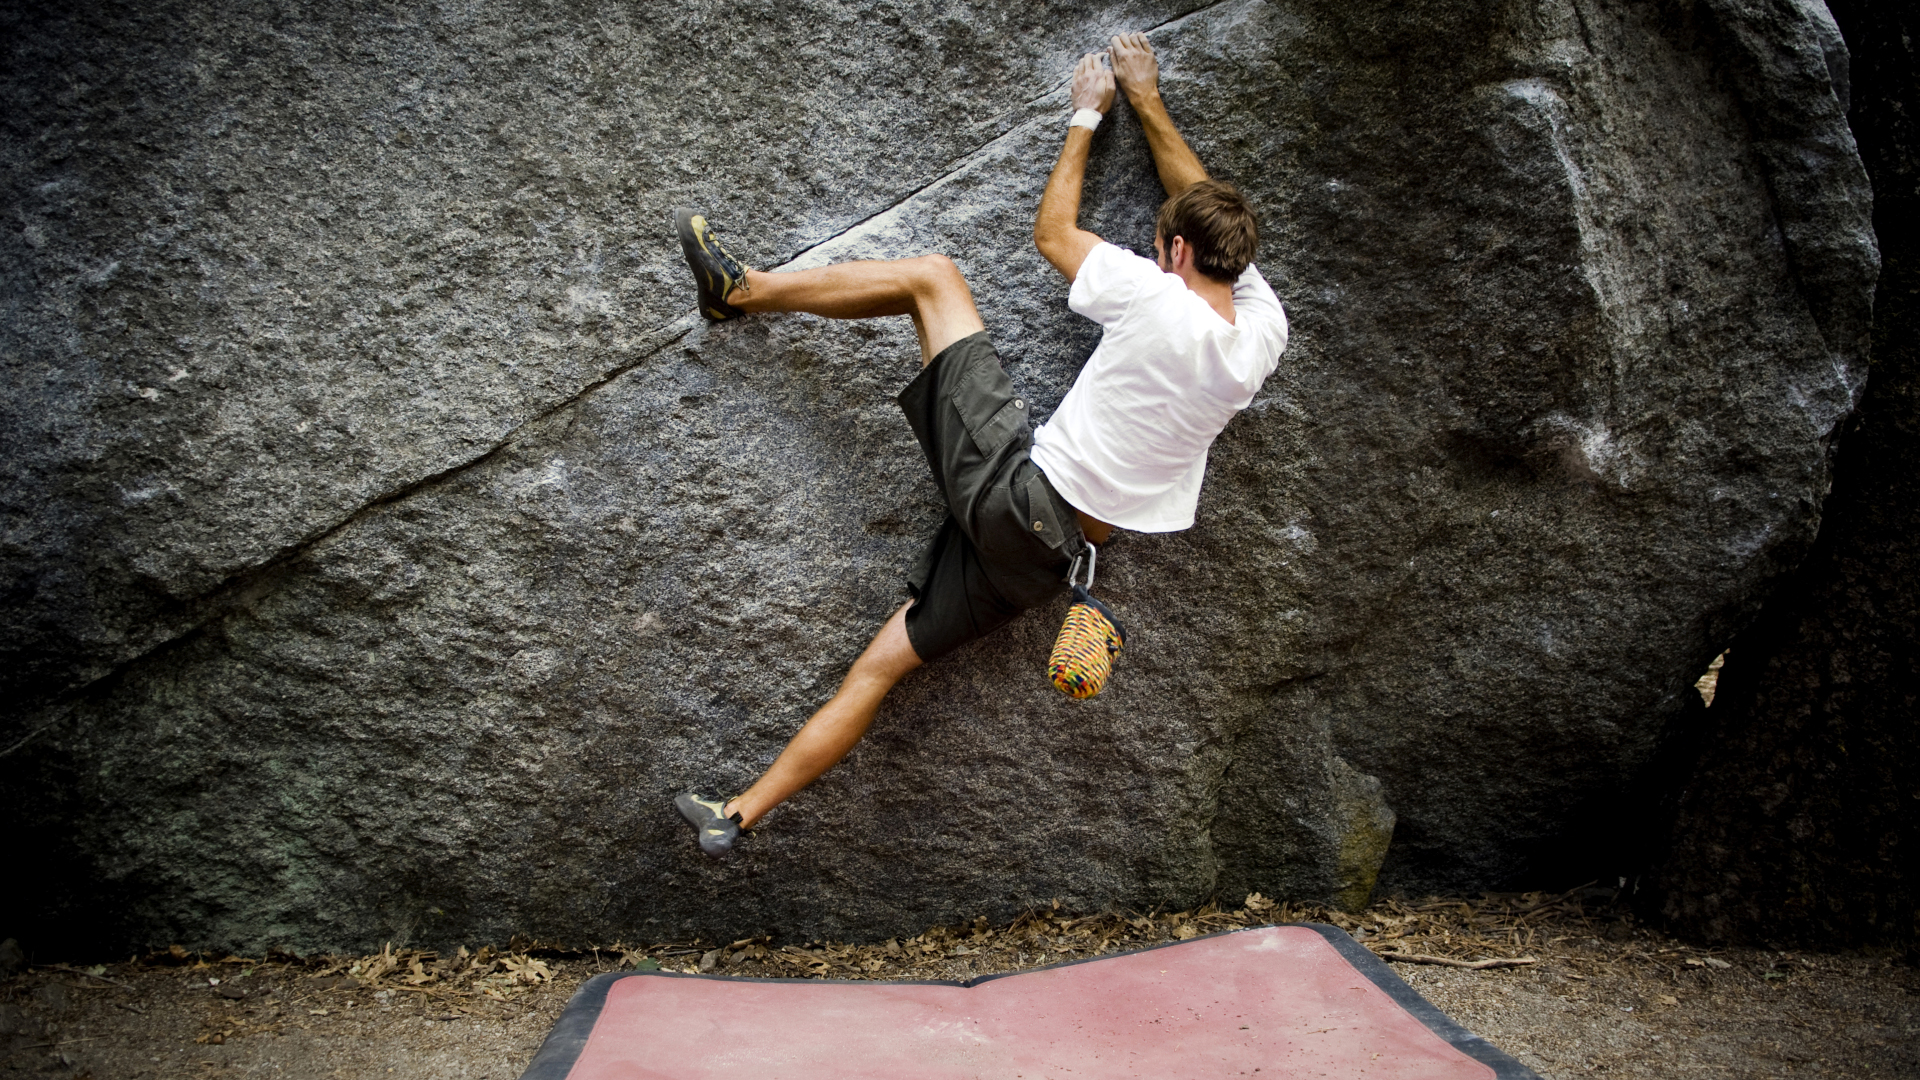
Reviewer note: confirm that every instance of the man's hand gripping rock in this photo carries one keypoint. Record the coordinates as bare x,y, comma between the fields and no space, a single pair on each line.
1093,83
1135,67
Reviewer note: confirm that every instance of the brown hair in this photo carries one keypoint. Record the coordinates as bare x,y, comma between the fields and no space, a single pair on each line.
1217,222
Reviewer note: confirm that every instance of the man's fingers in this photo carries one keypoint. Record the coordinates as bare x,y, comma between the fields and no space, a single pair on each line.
1092,83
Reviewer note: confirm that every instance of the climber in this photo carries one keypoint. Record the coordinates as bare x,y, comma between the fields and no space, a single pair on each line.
1188,339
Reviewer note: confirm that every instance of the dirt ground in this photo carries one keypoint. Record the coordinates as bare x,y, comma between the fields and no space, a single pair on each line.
1600,997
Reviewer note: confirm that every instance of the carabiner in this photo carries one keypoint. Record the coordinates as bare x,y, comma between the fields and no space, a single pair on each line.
1092,555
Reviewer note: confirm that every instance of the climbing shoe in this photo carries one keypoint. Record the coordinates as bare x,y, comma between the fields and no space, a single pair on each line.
714,271
709,818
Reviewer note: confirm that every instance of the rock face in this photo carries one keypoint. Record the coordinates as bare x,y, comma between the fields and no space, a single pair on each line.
386,542
1801,814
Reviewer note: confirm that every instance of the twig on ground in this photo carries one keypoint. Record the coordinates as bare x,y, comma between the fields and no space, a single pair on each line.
430,991
1561,899
90,975
58,1043
1475,965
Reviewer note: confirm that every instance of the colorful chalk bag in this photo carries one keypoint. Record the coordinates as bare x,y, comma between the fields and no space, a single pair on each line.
1089,639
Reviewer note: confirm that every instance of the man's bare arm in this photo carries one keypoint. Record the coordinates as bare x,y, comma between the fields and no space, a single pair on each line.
1137,71
1056,228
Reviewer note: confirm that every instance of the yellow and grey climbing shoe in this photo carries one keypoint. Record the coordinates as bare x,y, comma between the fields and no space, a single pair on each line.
714,271
709,818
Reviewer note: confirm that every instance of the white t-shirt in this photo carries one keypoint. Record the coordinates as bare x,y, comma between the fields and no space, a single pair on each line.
1129,443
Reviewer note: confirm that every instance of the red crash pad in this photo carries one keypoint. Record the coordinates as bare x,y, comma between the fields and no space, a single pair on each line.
1302,1000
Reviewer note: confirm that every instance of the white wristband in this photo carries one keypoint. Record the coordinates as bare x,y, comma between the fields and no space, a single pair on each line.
1086,118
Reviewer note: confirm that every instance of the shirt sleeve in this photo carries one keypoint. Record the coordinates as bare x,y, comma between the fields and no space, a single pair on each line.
1253,296
1109,278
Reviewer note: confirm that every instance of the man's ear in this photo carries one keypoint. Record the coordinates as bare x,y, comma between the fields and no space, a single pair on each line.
1179,255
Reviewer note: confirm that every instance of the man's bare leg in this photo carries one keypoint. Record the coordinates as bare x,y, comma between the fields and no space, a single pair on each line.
929,288
931,291
838,725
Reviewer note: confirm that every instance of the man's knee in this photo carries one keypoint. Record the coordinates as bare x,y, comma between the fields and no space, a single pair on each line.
936,274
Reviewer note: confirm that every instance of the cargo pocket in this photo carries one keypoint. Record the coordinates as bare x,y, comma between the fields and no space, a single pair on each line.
987,405
1043,517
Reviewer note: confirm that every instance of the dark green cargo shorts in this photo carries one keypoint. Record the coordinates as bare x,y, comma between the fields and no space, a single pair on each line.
1009,537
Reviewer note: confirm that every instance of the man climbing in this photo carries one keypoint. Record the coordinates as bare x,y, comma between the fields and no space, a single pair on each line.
1188,340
